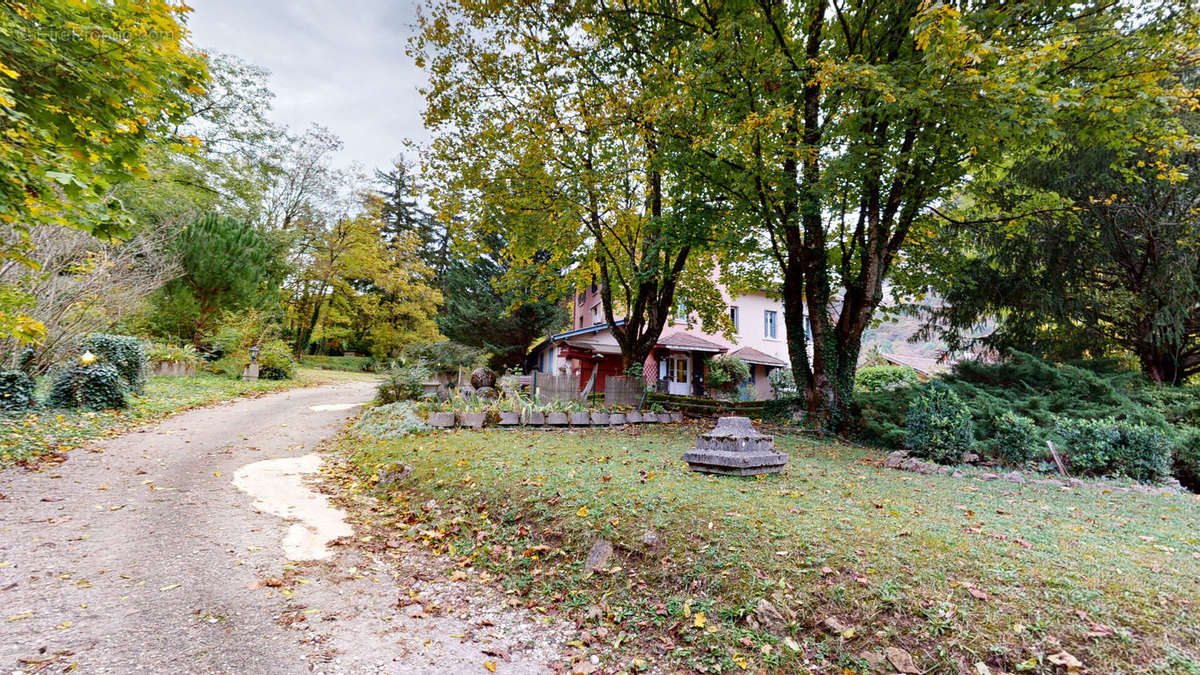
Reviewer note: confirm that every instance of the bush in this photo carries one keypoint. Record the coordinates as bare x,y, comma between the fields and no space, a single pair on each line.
726,374
444,356
938,425
1187,459
403,383
125,353
782,410
158,352
16,390
97,386
1111,448
235,338
881,378
783,383
1017,439
394,420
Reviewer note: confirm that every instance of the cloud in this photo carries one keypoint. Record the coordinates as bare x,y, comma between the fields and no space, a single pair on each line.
338,64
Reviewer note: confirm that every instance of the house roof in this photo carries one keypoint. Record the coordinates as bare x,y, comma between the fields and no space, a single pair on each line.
594,328
752,355
686,342
921,364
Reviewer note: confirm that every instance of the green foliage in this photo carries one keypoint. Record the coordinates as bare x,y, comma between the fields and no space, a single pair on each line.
1187,459
880,378
243,330
1108,447
783,382
16,390
393,420
938,425
160,352
95,387
125,353
781,410
225,267
1017,439
726,374
403,382
445,356
352,364
85,89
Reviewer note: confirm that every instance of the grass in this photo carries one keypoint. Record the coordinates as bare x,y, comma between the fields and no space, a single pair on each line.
353,364
44,430
956,571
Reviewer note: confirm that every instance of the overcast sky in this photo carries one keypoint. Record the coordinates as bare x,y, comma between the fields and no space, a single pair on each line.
338,64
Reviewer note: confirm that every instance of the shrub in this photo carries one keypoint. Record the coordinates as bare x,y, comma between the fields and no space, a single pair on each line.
782,410
1017,439
783,383
394,420
726,374
1187,459
235,338
16,390
403,383
880,378
444,356
125,353
1108,447
938,425
97,386
158,352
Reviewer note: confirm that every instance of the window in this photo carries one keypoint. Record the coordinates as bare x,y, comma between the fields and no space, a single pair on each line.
733,316
581,298
581,322
679,314
679,369
769,323
596,314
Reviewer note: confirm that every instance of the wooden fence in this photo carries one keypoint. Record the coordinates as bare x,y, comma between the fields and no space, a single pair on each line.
622,390
558,387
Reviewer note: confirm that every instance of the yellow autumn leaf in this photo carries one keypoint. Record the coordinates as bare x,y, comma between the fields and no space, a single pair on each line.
699,620
490,665
582,512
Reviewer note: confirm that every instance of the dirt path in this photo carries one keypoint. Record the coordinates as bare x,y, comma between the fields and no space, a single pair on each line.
140,554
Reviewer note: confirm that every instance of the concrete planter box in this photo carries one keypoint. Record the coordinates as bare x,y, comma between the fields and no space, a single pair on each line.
441,419
430,389
472,420
535,419
616,419
510,419
581,419
171,369
600,419
650,418
676,417
634,417
556,419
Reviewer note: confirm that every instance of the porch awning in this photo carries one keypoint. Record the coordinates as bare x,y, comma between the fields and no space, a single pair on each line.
752,355
689,343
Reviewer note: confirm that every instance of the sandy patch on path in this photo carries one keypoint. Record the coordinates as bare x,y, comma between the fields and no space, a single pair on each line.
277,487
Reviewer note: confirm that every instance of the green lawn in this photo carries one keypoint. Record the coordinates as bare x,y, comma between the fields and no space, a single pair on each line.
353,364
43,430
956,571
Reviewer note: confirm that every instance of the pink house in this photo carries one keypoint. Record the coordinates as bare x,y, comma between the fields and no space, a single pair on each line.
675,365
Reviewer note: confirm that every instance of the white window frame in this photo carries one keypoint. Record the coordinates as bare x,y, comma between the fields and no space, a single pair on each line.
735,316
770,324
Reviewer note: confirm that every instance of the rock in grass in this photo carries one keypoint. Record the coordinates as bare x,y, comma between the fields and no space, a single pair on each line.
651,540
1014,477
895,459
598,557
901,660
393,475
769,618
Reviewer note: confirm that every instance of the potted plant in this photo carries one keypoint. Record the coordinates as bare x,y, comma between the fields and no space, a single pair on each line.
600,417
616,419
556,413
579,414
633,417
474,413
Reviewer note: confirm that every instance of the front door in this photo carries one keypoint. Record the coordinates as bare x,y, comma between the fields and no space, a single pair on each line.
679,375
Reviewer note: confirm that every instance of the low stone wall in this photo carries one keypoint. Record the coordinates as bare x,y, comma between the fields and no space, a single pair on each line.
169,369
578,420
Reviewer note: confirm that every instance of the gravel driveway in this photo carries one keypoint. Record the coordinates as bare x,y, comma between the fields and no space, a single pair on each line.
139,554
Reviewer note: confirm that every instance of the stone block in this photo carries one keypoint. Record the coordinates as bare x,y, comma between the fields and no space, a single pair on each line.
734,447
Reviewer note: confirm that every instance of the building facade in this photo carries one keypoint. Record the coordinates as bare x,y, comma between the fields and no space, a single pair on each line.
676,364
